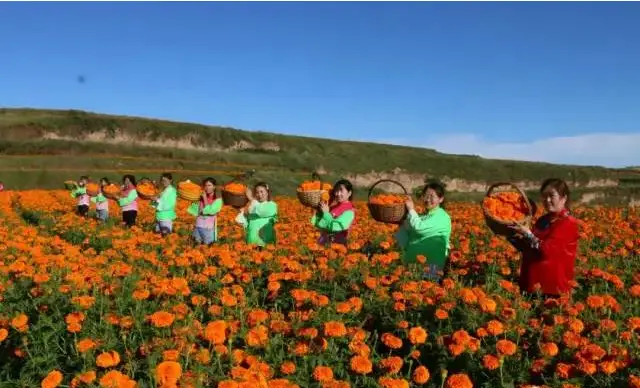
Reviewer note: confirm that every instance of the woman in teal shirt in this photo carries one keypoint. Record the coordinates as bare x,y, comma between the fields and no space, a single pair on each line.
428,234
165,205
260,217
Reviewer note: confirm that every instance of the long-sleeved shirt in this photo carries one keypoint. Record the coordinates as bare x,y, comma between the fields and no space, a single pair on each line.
165,205
206,215
334,228
549,254
428,235
259,222
129,202
102,203
80,193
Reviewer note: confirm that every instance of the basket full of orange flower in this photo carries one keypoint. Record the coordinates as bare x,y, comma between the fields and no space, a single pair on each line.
234,194
189,191
111,191
147,190
311,193
504,205
93,189
387,208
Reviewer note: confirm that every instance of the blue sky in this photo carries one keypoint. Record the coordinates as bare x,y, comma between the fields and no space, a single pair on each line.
558,82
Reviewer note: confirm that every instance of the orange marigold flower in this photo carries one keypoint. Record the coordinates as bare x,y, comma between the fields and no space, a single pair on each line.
421,375
490,362
417,335
506,347
459,380
52,380
288,368
361,365
215,332
108,359
322,373
391,341
168,372
334,329
162,319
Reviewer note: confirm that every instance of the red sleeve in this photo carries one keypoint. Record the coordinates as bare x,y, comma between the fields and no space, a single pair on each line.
562,241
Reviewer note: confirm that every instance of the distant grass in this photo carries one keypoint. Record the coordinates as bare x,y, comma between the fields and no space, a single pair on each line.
19,128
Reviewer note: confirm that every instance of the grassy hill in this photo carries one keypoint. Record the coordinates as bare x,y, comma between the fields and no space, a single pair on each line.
40,148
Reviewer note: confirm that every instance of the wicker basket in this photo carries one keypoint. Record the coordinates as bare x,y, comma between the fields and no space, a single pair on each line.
235,200
500,227
143,195
111,191
187,194
93,189
388,214
311,198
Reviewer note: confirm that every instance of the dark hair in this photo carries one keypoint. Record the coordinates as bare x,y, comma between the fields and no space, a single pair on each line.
344,183
209,179
266,187
438,188
105,179
85,177
167,175
558,185
131,178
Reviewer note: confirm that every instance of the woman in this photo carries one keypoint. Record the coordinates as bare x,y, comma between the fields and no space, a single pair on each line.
429,234
549,251
165,205
206,211
102,203
335,219
260,217
80,193
128,201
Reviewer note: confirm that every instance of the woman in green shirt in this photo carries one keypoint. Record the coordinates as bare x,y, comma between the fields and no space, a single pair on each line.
428,234
165,205
260,217
335,219
206,211
102,203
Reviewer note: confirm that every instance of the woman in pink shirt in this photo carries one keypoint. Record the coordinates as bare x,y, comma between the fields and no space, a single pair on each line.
128,201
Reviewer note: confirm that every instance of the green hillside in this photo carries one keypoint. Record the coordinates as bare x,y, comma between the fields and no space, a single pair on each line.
40,148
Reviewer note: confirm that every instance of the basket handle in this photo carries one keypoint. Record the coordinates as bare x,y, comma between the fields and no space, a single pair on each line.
518,189
385,180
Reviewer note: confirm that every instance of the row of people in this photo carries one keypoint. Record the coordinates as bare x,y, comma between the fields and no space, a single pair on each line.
549,248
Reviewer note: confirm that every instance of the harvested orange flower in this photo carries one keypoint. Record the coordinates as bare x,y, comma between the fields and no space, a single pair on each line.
388,199
506,206
313,186
92,189
235,187
147,189
111,189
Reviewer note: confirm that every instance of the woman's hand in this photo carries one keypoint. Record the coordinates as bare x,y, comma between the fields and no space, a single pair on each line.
324,207
249,194
409,204
520,228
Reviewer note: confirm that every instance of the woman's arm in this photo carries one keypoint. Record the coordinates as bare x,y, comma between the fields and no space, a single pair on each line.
213,208
330,224
132,196
265,209
167,201
429,225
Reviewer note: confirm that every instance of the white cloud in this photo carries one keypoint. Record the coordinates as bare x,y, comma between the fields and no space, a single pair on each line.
603,149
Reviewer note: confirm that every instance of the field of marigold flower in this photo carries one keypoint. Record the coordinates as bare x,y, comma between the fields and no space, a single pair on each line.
89,305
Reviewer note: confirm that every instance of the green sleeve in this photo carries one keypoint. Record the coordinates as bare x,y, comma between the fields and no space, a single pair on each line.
330,224
133,194
429,225
193,209
99,198
213,209
78,191
265,209
242,220
167,201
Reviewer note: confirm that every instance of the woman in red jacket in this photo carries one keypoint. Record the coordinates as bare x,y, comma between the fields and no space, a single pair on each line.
549,251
